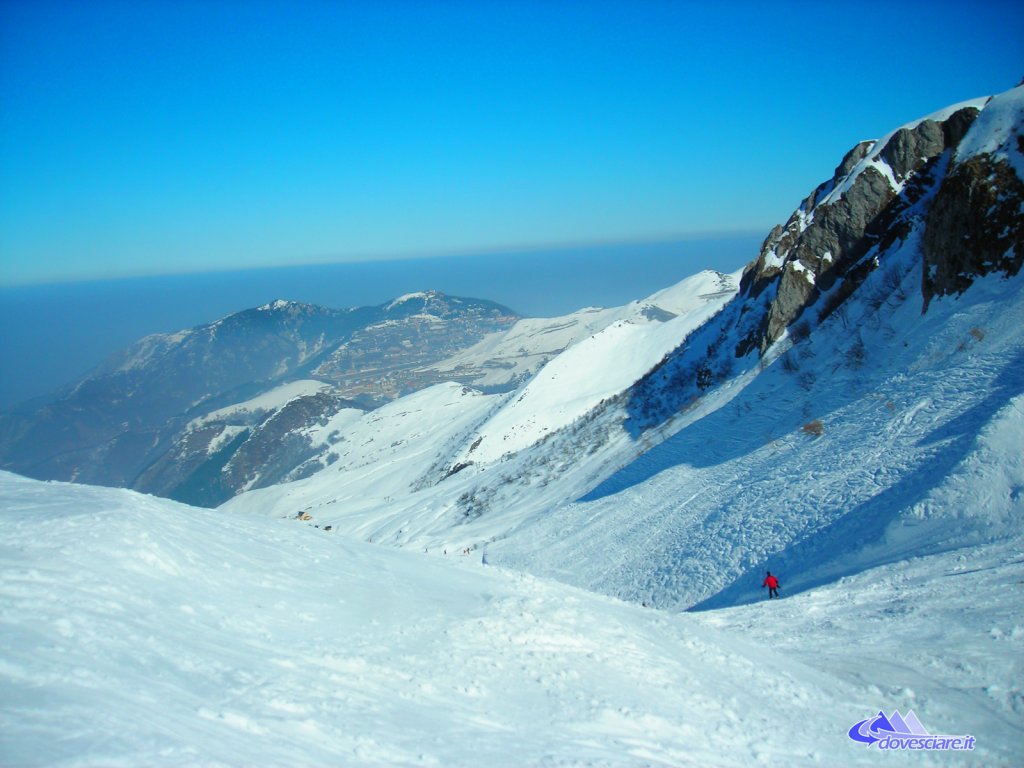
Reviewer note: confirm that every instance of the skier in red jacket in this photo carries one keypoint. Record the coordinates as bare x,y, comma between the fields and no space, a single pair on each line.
772,583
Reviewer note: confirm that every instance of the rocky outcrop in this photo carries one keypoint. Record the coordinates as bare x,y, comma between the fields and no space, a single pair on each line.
215,459
974,226
840,222
946,191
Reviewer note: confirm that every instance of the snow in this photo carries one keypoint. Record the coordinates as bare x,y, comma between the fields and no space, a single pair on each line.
935,635
505,356
270,400
144,351
409,297
599,367
342,420
225,436
773,260
379,458
798,266
915,482
277,304
997,131
137,631
512,355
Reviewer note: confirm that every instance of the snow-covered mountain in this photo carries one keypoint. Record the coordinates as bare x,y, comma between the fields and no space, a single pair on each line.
818,418
446,480
129,422
502,360
847,412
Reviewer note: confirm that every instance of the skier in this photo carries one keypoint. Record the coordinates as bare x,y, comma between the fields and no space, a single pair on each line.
772,583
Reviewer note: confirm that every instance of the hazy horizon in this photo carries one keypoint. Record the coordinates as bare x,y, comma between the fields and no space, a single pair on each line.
51,334
180,137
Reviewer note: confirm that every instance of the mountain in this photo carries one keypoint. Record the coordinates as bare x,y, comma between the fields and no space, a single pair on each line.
135,408
579,559
384,359
503,361
278,435
823,415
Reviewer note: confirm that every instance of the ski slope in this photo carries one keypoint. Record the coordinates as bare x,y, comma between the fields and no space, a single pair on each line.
137,631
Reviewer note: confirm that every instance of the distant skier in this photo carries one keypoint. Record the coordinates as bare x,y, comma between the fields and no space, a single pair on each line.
772,583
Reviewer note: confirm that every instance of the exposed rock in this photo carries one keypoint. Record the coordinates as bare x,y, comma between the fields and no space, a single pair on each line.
967,214
854,156
974,227
828,236
910,148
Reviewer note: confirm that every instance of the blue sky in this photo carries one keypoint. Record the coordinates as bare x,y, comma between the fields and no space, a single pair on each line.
147,138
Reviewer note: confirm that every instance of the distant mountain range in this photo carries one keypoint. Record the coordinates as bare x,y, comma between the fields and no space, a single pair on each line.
117,425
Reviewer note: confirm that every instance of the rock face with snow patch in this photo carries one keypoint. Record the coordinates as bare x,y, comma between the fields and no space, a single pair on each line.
948,186
222,455
976,224
829,235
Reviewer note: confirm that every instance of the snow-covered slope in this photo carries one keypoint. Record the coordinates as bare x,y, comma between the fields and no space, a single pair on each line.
600,366
892,441
836,449
377,458
475,453
137,631
271,400
513,356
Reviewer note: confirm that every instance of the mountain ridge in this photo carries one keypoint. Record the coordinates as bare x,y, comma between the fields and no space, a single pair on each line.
112,424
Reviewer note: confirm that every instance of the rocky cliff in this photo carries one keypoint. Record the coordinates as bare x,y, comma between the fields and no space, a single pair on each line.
948,187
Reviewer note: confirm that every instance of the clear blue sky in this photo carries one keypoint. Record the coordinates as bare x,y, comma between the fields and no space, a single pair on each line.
146,137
